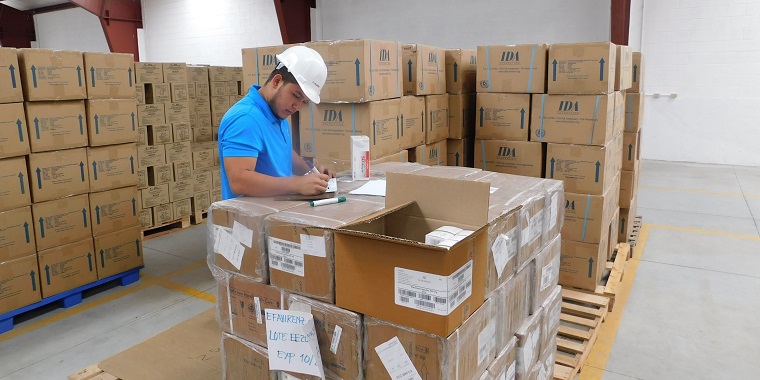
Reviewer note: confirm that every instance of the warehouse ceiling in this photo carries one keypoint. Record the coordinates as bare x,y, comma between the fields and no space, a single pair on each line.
25,5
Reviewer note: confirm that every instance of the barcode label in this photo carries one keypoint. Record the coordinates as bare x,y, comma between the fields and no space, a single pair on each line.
257,304
487,343
547,276
532,231
433,293
285,256
336,339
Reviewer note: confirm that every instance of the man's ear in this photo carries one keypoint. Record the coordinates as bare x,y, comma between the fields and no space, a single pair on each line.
277,81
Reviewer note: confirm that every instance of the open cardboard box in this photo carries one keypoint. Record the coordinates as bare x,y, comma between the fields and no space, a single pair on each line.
383,268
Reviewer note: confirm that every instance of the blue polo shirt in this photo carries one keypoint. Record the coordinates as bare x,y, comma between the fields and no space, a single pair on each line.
251,129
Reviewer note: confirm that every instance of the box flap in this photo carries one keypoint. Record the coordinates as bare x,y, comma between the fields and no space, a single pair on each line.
457,200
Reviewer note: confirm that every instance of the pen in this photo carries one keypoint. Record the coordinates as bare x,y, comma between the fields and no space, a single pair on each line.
313,168
322,202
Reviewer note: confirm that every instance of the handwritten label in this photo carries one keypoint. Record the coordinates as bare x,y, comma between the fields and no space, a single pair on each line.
292,342
227,246
242,234
337,332
396,361
285,256
313,245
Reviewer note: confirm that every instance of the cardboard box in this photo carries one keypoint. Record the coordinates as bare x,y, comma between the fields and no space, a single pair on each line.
545,275
460,152
219,106
528,345
233,88
245,360
582,68
159,134
160,174
181,132
424,69
52,74
625,223
465,354
461,116
182,208
154,195
587,216
216,179
637,73
114,210
218,89
575,119
360,70
191,92
241,304
163,213
623,68
202,181
111,121
258,64
203,134
512,68
146,218
631,149
14,140
58,174
582,264
183,171
221,73
62,221
14,184
550,320
585,169
142,178
634,111
309,231
437,112
151,155
434,154
461,65
20,283
140,93
215,195
112,166
118,252
150,114
512,157
205,118
504,366
180,190
147,72
325,128
156,93
197,73
16,234
109,75
10,85
142,136
201,201
175,72
367,264
200,105
502,116
340,166
247,212
203,159
178,152
514,296
202,91
629,185
56,125
180,92
412,114
177,112
67,267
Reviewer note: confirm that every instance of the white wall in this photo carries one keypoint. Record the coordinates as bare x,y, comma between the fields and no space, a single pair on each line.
635,31
70,29
204,32
707,52
465,24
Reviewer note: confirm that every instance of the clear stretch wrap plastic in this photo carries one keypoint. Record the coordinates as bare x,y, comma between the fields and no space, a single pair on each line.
339,333
511,301
244,360
455,172
546,273
504,366
300,244
342,168
528,344
465,354
550,320
555,203
236,241
241,302
546,361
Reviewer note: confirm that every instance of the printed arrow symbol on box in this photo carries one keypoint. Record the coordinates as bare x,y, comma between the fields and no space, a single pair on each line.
26,232
635,72
79,75
596,178
431,120
34,280
481,116
590,266
374,132
137,246
130,76
97,214
522,118
37,127
457,159
456,72
133,121
422,117
84,216
398,131
20,130
97,125
81,125
622,225
39,178
630,151
102,259
21,182
552,168
47,273
34,76
402,125
42,227
89,260
13,75
134,207
554,70
358,65
92,75
81,169
132,163
601,69
410,69
95,170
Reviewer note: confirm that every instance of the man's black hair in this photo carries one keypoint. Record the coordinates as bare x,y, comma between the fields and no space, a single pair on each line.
287,76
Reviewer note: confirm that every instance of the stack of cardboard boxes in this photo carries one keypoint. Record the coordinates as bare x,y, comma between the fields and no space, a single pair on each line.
460,85
507,76
581,119
71,206
629,178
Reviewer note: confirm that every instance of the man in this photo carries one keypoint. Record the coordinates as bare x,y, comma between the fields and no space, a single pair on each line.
254,138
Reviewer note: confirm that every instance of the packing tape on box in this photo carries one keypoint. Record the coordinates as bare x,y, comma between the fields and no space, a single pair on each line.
488,66
532,65
593,121
585,217
541,119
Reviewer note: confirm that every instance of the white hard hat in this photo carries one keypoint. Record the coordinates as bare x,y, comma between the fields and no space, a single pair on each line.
308,67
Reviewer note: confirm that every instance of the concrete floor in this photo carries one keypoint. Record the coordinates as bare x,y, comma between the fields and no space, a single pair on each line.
689,314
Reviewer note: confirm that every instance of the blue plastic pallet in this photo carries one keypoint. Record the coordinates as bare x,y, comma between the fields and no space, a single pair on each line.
68,298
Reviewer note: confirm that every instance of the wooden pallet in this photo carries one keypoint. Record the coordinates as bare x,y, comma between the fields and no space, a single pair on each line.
92,372
165,228
613,274
580,320
633,237
199,217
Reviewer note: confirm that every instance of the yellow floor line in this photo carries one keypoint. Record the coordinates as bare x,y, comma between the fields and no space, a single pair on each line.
597,359
179,288
701,191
